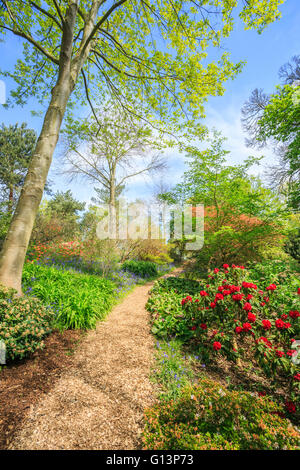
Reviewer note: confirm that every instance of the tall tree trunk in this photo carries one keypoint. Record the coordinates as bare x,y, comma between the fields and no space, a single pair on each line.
14,249
15,245
112,209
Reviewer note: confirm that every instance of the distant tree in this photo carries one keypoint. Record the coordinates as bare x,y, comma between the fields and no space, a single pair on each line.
275,119
109,150
290,72
16,146
58,219
241,216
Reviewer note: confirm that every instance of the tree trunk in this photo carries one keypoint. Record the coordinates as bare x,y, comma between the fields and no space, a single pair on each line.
14,249
112,209
15,245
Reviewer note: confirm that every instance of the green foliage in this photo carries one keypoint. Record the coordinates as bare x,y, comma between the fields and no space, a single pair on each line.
141,268
24,322
241,216
78,299
209,417
57,219
292,246
16,147
172,372
124,59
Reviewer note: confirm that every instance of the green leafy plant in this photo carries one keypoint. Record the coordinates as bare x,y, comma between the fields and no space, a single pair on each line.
141,268
209,417
79,300
24,322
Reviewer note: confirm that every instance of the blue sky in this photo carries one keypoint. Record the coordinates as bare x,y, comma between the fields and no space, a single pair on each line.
264,54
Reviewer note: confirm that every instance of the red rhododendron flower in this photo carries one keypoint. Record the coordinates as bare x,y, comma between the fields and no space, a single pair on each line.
203,326
234,289
294,314
197,300
265,341
263,304
261,394
283,316
279,353
225,266
247,307
298,290
226,292
291,352
266,324
279,323
249,297
249,285
251,317
219,296
297,376
238,329
290,406
220,288
217,345
213,304
216,270
287,325
193,328
272,287
266,299
237,296
247,326
203,293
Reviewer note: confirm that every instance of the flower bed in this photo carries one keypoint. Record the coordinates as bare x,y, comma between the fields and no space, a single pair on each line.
252,325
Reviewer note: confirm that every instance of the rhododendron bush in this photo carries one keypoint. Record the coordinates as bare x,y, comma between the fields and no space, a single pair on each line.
232,316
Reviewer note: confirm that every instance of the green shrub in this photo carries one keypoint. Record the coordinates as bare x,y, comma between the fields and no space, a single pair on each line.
78,299
24,322
209,417
141,268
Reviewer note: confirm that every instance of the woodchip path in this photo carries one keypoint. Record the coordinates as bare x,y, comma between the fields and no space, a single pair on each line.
98,402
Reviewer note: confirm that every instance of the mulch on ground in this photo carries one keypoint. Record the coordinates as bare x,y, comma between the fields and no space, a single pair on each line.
22,384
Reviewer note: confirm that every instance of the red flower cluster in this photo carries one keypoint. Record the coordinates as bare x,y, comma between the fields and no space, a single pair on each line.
247,307
247,326
266,324
217,345
203,293
294,314
249,285
271,287
281,324
290,406
251,317
237,297
187,299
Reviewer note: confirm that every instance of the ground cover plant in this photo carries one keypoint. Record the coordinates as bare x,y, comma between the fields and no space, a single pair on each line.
207,416
253,328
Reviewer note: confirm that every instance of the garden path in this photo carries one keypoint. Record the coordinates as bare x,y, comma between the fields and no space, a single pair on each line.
98,402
